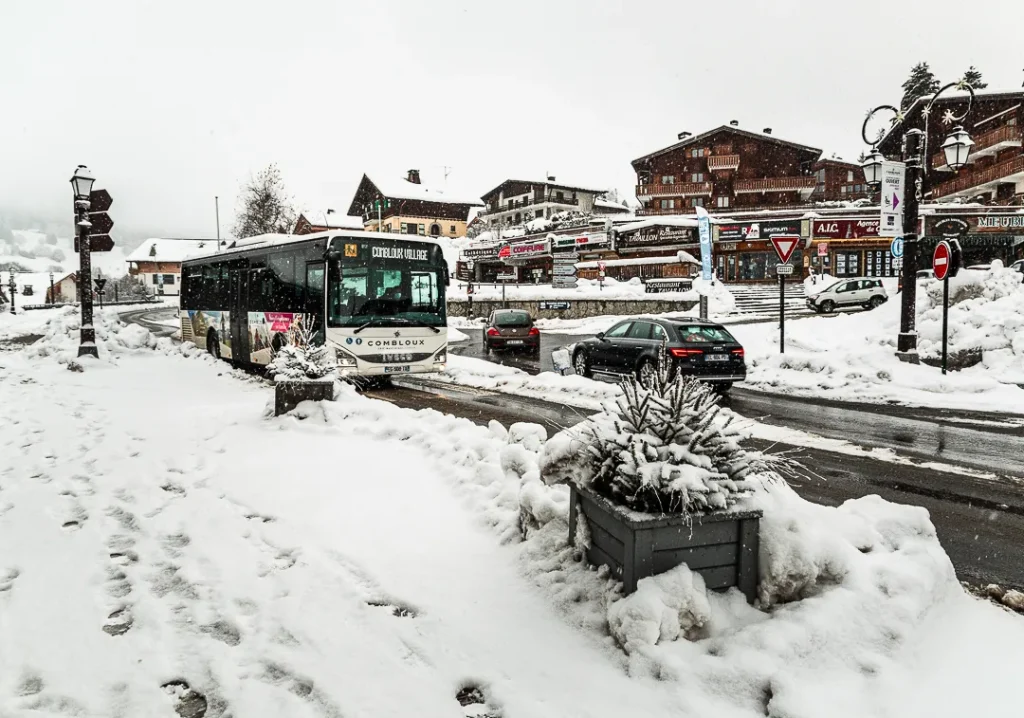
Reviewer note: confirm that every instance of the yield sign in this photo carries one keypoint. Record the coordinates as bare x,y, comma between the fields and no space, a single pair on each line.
785,245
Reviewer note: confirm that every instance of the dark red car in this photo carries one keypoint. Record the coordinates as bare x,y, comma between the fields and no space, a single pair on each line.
511,329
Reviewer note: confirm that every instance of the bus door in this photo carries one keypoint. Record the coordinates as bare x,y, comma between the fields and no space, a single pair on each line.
239,314
315,300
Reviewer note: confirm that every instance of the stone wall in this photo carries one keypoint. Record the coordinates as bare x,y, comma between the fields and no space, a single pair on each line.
578,308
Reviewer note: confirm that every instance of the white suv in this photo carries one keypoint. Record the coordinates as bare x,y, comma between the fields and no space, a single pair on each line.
868,293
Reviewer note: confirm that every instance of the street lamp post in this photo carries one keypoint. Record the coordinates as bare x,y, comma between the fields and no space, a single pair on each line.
956,149
13,287
81,183
52,296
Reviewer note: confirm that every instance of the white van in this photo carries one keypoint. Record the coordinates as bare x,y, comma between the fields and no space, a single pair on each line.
862,291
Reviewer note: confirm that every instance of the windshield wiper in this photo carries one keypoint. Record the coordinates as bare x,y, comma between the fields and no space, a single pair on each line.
381,322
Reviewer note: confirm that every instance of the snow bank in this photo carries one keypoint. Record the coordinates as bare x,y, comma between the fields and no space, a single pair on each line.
62,336
852,356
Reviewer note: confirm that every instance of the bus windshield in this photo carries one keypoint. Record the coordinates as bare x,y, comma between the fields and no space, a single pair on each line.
386,293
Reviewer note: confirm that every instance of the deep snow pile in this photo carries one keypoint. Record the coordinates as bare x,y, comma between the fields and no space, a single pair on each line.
355,558
852,356
63,336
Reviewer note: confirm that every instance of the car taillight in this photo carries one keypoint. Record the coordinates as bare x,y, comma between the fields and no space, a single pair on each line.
534,331
492,332
685,352
738,352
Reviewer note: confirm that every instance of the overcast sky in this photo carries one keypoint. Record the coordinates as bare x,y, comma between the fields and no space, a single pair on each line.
173,102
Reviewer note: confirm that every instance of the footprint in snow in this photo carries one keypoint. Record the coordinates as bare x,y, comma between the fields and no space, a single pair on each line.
304,688
188,702
474,703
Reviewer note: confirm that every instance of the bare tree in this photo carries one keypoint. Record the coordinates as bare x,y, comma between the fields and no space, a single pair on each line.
264,205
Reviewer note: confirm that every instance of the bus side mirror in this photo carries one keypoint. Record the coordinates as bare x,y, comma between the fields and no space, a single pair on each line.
447,275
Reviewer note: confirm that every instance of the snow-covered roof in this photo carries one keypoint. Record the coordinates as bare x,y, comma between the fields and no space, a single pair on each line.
39,281
320,218
547,183
402,188
157,249
760,135
679,258
669,220
608,204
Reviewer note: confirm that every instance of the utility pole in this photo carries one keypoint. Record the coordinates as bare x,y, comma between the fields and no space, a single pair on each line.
216,208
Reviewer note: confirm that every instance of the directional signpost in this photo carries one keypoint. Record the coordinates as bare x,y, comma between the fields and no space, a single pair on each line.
785,245
946,264
100,241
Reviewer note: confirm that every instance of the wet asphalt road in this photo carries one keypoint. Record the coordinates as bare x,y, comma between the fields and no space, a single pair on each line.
978,440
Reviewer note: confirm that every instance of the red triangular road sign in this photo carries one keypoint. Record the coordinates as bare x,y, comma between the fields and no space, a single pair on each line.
785,245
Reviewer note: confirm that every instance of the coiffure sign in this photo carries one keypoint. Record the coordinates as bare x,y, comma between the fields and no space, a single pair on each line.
846,228
524,250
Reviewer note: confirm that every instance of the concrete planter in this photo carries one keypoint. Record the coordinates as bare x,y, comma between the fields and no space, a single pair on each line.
289,393
721,547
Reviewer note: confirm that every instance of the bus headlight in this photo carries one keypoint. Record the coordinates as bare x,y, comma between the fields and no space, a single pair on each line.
441,357
344,359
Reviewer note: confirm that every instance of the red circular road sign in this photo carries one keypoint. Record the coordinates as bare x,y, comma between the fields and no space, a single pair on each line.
941,259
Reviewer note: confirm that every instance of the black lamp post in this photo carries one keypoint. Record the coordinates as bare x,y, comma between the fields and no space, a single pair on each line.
81,184
13,287
956,149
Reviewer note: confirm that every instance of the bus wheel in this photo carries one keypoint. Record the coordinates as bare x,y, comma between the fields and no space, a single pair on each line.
213,344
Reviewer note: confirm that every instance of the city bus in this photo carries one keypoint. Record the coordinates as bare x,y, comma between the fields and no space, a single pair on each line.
377,299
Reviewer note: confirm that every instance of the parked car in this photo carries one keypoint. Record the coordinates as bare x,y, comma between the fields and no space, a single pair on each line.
511,329
695,347
926,274
868,293
1019,266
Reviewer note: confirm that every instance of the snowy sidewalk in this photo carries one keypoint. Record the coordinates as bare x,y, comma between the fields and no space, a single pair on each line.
278,567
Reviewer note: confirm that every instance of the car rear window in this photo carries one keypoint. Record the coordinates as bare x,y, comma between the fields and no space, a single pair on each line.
512,319
704,334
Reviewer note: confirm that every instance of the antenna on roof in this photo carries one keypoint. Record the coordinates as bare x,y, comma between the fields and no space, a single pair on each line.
447,171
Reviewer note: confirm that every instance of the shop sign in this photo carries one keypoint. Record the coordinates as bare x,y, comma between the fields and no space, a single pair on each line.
846,228
556,306
656,235
490,252
524,250
1006,223
657,286
762,229
462,272
585,241
950,227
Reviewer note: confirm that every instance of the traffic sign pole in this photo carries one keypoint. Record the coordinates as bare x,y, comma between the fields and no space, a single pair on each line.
782,313
945,320
785,245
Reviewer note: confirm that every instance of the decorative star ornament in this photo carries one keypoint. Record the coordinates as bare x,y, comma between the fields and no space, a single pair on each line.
962,85
948,117
926,111
900,117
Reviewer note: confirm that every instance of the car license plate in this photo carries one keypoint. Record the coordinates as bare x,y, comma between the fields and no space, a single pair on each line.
396,369
716,357
514,341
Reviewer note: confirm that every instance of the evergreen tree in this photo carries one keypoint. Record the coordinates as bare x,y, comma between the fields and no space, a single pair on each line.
973,76
921,83
265,206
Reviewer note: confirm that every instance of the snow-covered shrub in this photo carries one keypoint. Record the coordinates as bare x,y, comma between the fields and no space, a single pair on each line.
302,361
667,448
665,607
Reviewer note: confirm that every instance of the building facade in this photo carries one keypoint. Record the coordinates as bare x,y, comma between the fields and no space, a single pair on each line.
310,222
515,202
994,173
407,206
157,262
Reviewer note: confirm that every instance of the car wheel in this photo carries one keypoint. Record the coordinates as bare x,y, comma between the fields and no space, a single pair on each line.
213,344
646,372
875,302
828,306
580,363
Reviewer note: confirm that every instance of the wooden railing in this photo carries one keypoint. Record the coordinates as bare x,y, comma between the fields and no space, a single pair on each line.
680,189
774,184
967,180
530,202
1007,133
723,162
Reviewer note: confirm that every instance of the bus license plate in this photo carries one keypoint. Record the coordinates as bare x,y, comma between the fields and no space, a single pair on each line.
716,357
396,369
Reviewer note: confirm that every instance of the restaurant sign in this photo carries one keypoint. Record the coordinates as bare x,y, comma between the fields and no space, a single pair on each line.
980,224
846,228
649,236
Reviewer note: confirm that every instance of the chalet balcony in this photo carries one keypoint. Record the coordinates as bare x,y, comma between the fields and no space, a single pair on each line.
986,145
803,185
680,189
723,162
979,181
656,211
531,202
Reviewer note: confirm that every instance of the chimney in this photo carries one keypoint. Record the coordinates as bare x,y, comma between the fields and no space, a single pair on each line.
551,178
684,134
767,130
414,176
734,123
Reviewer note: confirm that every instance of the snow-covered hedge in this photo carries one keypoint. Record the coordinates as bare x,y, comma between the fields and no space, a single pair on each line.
666,449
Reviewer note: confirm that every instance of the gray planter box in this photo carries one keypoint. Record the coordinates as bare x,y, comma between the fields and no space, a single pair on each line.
721,547
289,394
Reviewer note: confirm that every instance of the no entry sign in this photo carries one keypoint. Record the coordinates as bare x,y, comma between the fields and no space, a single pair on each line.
941,260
